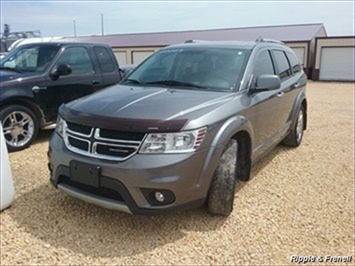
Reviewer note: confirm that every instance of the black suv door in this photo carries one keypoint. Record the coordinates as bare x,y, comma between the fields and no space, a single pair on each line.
83,80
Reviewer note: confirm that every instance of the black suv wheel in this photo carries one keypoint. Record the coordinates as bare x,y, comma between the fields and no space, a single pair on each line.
20,127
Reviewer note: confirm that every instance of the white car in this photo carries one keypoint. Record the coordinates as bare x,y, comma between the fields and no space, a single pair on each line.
7,191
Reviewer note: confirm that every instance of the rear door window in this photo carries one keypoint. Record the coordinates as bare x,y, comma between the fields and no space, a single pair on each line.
105,59
283,67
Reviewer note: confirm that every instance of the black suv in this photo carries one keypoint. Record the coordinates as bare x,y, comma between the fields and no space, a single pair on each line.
181,128
37,78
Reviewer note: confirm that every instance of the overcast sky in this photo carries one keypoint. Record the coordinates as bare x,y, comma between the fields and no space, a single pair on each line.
56,18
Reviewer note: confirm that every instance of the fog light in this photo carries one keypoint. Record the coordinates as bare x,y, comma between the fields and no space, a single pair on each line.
159,196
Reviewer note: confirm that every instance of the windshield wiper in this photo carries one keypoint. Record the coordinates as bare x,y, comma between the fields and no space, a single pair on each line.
132,81
175,83
11,69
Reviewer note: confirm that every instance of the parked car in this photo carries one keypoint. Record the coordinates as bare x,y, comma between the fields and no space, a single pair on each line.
37,78
180,129
7,191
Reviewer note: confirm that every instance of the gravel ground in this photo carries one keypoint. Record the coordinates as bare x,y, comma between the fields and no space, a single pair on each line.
298,202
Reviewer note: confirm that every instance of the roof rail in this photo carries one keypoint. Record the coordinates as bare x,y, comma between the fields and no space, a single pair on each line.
194,41
260,39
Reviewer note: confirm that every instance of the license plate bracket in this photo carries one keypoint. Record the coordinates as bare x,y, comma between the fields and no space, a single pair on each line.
83,173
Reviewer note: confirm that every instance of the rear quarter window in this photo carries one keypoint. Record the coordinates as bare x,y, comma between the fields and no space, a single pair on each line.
295,64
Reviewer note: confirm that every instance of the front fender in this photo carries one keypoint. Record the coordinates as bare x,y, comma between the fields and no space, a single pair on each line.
6,94
230,128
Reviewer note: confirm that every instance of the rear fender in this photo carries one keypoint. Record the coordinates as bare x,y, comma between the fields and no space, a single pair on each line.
296,106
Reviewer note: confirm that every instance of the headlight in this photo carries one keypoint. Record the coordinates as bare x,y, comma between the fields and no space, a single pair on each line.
60,128
180,142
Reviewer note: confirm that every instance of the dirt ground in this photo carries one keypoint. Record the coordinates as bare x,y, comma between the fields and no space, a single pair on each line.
298,202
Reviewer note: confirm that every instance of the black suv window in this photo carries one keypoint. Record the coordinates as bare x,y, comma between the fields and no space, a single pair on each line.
78,59
105,59
263,65
30,58
295,64
283,66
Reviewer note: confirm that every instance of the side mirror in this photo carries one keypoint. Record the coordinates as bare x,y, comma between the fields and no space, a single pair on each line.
266,82
61,70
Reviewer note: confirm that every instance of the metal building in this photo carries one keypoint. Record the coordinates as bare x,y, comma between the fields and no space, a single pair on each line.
133,48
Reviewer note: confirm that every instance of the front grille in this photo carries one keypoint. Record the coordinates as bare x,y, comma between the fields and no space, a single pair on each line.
112,134
102,143
79,144
79,128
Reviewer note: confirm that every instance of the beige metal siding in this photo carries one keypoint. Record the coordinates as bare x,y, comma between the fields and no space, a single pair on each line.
301,50
121,57
139,56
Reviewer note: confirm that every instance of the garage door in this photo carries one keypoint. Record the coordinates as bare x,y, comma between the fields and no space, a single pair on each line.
139,56
337,63
121,57
299,51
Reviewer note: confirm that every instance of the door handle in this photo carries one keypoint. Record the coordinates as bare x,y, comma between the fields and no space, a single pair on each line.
36,89
280,94
95,82
296,85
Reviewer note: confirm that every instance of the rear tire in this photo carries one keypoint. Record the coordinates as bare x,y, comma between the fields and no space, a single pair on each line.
294,138
222,190
20,127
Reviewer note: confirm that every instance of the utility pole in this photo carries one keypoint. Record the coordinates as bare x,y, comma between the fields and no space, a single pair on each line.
74,28
102,24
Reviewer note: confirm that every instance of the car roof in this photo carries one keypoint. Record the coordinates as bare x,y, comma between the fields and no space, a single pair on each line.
228,44
58,43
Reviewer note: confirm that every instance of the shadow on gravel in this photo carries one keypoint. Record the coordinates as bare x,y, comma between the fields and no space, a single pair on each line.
43,136
262,163
64,222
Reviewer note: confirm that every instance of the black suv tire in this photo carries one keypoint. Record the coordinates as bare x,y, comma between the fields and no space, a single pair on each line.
25,126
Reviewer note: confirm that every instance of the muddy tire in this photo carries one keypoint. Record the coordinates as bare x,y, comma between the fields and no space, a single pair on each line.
222,190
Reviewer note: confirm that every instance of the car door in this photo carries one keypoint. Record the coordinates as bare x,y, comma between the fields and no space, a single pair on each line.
285,93
109,68
83,80
266,106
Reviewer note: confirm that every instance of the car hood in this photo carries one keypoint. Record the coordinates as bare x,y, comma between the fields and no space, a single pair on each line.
134,108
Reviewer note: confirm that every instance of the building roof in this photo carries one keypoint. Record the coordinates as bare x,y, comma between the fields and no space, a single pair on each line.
285,33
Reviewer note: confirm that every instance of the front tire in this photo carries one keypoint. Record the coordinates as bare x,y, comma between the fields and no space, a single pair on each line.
20,127
294,138
222,190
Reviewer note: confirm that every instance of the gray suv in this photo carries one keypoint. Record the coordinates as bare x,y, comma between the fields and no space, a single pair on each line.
180,129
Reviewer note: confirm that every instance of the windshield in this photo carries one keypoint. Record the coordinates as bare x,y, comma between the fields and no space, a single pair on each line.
30,59
192,68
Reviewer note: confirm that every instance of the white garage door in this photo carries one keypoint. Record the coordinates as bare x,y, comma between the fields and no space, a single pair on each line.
337,63
121,58
299,51
139,56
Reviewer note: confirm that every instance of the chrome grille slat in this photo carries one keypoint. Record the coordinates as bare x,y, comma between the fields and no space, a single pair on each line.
107,145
